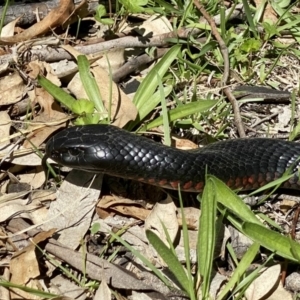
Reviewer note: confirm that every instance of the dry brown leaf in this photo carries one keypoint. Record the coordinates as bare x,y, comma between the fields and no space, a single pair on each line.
43,195
27,159
103,292
34,177
52,112
12,196
24,265
108,201
269,13
67,288
286,205
192,217
261,286
56,17
184,144
12,89
115,57
154,25
9,29
163,212
5,125
18,207
34,68
121,205
281,293
73,210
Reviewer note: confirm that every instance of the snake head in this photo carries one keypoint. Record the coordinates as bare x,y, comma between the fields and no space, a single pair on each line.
71,147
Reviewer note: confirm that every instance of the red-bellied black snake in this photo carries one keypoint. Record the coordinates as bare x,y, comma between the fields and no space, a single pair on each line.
241,163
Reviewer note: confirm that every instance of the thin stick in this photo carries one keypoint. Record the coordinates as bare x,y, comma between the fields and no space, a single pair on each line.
224,50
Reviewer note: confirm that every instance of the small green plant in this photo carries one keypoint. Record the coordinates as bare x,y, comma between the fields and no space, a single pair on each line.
134,6
100,13
85,111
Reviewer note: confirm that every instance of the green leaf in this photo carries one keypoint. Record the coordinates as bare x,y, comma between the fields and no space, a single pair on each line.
170,259
249,17
37,293
100,11
150,105
181,112
89,83
251,45
83,106
95,228
107,21
241,268
231,201
150,83
134,6
87,119
273,241
58,93
207,235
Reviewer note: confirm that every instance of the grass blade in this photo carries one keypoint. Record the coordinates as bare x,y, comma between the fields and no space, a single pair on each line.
89,83
170,259
142,258
231,201
56,92
273,241
240,269
207,237
150,83
181,112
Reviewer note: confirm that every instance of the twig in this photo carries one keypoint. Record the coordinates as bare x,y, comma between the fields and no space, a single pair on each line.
56,54
265,119
224,51
135,64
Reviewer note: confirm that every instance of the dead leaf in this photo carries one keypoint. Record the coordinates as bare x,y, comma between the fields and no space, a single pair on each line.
124,206
12,89
73,210
24,265
56,17
267,281
5,125
9,29
111,60
192,217
51,112
60,285
269,13
12,196
103,292
281,293
286,205
34,68
154,25
35,177
184,144
163,212
43,195
18,207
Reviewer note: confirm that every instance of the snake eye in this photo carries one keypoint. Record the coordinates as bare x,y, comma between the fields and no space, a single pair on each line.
75,151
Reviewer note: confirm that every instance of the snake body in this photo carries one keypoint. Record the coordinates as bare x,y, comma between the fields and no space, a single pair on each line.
242,163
